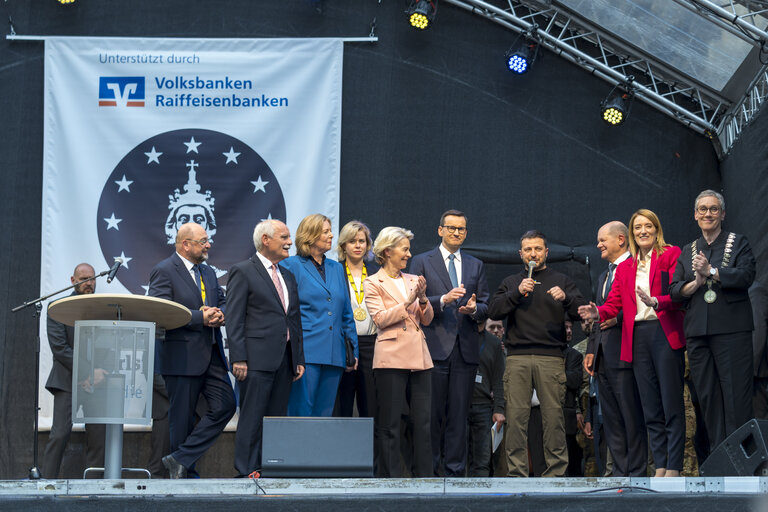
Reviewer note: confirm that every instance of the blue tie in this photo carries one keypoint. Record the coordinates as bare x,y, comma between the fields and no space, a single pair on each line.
452,270
196,270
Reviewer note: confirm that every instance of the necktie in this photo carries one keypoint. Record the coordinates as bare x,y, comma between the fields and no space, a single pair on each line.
452,270
609,280
278,286
199,281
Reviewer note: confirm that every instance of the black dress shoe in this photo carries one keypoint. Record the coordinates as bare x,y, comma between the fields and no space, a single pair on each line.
175,469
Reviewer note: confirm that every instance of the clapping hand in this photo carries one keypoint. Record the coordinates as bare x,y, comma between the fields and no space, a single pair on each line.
470,307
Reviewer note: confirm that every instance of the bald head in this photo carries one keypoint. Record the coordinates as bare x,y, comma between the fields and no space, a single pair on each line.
82,279
612,240
616,228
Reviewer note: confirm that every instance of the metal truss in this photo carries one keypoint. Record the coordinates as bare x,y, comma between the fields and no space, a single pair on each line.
660,86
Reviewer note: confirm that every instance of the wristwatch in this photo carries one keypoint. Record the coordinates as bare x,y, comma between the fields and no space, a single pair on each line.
712,271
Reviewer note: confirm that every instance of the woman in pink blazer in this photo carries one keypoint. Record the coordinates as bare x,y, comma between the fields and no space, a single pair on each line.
652,336
399,307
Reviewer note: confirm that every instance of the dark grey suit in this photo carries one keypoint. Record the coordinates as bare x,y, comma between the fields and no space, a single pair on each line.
257,325
192,362
619,399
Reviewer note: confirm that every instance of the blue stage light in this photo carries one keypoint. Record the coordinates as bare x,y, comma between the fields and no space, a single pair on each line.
517,64
521,55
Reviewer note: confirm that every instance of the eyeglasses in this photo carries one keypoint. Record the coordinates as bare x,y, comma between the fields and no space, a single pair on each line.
454,229
202,241
714,210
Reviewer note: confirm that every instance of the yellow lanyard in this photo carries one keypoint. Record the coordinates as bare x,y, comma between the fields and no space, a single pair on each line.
358,294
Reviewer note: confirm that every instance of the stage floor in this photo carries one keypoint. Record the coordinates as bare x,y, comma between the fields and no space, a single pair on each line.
401,495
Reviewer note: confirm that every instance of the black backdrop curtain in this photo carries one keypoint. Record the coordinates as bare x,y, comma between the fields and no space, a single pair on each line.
431,120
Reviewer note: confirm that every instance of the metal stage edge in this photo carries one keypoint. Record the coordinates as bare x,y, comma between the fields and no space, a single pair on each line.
402,495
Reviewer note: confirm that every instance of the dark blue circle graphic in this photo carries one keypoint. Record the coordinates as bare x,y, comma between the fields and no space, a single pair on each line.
179,176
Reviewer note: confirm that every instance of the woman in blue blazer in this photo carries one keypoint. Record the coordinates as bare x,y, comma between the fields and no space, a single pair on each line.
326,318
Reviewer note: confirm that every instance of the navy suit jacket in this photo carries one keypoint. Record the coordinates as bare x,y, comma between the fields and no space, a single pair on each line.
184,350
326,311
257,324
448,324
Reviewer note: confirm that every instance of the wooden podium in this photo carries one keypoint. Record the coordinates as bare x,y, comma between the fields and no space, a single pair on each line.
113,361
114,306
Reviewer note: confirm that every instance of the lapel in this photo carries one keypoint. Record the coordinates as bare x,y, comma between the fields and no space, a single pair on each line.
438,265
312,271
654,269
391,288
633,279
601,283
265,275
186,277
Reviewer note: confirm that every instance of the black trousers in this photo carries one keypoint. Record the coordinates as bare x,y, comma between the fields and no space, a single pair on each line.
722,369
453,382
61,430
623,422
479,457
189,441
357,385
658,372
391,398
261,394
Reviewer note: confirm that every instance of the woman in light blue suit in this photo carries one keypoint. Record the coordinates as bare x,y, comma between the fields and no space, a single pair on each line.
326,318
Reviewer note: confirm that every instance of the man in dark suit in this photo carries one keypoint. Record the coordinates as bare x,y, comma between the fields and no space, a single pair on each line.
712,279
62,341
191,358
458,291
265,338
623,422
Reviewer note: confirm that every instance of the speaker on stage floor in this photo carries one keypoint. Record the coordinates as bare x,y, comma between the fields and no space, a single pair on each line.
317,447
743,453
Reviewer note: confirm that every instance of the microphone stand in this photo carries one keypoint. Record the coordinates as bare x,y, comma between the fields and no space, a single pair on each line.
34,471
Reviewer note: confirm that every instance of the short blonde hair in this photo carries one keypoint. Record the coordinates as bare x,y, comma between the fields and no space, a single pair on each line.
387,239
660,245
348,233
309,231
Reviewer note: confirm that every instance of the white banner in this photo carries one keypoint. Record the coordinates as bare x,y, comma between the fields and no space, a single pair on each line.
142,135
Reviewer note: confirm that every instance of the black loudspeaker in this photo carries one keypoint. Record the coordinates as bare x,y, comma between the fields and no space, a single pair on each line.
743,453
317,447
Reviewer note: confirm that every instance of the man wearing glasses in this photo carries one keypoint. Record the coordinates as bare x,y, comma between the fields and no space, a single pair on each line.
712,278
458,292
191,358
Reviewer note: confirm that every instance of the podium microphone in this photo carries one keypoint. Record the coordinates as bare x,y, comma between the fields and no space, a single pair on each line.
113,270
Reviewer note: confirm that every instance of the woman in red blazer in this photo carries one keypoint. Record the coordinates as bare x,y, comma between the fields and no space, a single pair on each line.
651,337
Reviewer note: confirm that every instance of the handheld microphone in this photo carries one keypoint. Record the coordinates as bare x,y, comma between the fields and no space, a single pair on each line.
531,265
113,270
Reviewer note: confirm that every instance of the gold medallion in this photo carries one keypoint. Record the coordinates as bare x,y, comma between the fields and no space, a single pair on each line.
710,296
359,314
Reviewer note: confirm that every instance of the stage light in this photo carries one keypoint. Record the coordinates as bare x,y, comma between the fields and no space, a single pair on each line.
614,109
66,1
421,13
523,51
519,59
